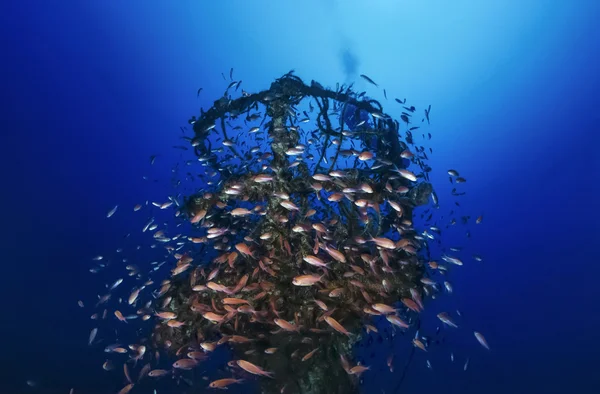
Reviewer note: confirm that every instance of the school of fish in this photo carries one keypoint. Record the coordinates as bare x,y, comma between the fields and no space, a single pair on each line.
299,238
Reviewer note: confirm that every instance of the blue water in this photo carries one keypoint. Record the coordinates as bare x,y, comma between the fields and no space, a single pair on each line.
92,89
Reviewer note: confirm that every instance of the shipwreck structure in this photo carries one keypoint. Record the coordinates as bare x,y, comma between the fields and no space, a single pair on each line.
300,242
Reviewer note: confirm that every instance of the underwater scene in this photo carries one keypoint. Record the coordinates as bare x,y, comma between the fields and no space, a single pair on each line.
319,197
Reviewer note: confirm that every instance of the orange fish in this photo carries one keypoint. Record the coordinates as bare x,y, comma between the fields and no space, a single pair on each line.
395,320
364,156
314,260
218,287
321,304
335,254
253,369
240,212
234,301
244,249
166,315
208,346
306,280
120,316
445,318
358,370
419,344
175,323
126,389
336,326
216,318
410,304
310,354
286,326
223,383
198,216
382,308
126,372
384,242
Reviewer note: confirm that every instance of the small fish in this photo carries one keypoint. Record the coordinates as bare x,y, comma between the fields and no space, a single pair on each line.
368,79
448,286
336,325
358,370
445,318
289,205
364,156
406,174
452,260
126,389
466,364
285,325
310,354
155,373
223,383
482,340
185,364
395,320
198,94
419,344
112,211
133,296
116,283
92,335
126,372
314,260
306,280
253,369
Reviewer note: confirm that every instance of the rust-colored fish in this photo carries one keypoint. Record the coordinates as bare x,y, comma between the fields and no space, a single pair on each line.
223,383
286,326
185,364
253,369
310,354
126,389
306,280
336,325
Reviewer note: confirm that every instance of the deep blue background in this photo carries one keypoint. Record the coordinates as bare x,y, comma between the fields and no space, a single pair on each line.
91,89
